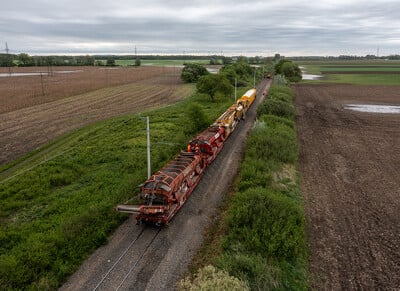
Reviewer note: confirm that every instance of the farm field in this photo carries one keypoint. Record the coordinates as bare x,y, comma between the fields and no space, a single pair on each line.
72,100
354,72
349,165
160,62
59,82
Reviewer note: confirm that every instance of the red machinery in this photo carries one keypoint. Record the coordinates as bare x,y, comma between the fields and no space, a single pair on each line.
208,143
164,193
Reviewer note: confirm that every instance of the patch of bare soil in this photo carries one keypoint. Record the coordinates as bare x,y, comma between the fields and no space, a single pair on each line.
39,121
350,163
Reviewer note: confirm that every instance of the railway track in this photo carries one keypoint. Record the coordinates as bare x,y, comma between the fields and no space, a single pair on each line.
131,256
139,257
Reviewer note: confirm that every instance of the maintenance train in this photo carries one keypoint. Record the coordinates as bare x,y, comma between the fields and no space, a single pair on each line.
164,193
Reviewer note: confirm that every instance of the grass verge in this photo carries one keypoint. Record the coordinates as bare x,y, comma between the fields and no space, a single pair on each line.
261,238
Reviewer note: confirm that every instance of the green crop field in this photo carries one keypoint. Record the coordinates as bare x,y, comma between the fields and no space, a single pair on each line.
354,72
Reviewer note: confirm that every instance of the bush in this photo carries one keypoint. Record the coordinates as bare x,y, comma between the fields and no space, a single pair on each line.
273,120
192,72
270,144
197,119
253,174
265,223
290,70
210,278
214,85
276,107
255,269
281,93
280,79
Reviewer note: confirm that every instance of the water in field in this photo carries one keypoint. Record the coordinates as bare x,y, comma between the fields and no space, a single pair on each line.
311,77
36,73
372,108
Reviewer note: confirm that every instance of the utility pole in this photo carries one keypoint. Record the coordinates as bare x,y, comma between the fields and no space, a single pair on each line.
254,78
148,147
235,88
8,60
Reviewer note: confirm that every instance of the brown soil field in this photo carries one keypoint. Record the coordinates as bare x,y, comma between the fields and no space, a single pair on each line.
349,164
24,91
72,100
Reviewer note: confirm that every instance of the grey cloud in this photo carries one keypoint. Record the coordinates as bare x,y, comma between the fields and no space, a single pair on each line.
159,26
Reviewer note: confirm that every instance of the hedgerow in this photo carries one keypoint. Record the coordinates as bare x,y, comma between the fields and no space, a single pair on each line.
265,243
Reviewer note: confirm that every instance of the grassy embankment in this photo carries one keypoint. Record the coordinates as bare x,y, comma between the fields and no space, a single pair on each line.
59,207
261,239
355,72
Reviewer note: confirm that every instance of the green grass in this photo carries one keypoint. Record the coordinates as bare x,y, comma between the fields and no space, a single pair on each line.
58,206
365,79
371,72
265,242
327,69
261,236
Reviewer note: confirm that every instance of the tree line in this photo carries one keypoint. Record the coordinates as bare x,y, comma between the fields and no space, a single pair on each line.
26,60
240,74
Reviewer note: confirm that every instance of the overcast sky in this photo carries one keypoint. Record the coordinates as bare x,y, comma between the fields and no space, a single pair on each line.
263,28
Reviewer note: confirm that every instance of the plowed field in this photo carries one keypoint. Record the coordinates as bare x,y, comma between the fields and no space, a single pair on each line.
350,165
29,118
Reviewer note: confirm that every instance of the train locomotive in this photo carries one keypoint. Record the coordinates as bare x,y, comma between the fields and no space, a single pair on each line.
164,193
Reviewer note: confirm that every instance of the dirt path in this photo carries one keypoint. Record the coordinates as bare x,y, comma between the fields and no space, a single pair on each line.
350,163
156,260
25,129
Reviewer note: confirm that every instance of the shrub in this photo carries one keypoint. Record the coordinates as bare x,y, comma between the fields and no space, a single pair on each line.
290,70
197,120
276,88
276,107
273,143
255,269
192,72
263,222
281,93
273,120
210,278
214,85
280,79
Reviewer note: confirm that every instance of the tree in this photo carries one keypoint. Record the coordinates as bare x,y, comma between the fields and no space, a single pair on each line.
192,72
226,60
242,71
6,60
110,62
197,119
290,70
137,62
25,60
214,85
230,73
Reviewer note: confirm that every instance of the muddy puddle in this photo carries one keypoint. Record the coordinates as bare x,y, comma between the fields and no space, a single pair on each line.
373,108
